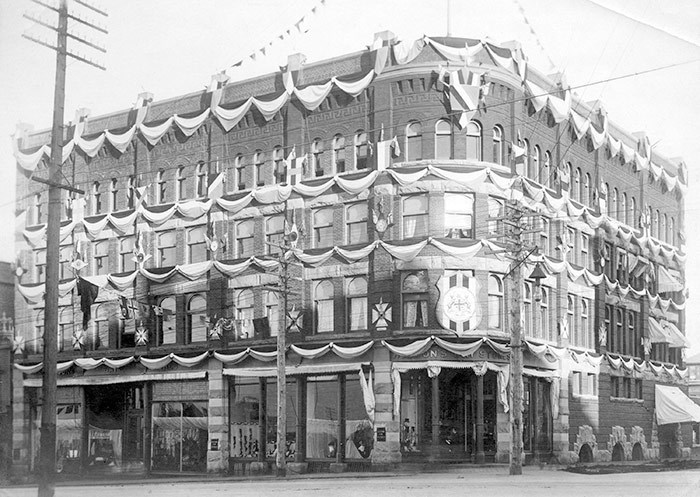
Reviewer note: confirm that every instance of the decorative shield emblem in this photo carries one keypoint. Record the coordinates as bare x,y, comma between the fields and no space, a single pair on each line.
458,309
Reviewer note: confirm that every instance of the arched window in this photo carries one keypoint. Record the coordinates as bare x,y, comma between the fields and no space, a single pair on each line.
528,165
443,139
239,168
414,295
357,304
180,181
167,249
671,231
584,341
339,154
65,332
498,145
361,150
587,195
527,309
536,164
244,314
274,232
495,305
633,212
576,190
632,343
547,169
323,304
196,319
356,223
259,167
544,314
113,195
474,140
662,231
623,208
613,205
99,339
161,187
316,157
414,138
165,321
201,180
619,332
573,327
272,312
131,192
96,199
279,173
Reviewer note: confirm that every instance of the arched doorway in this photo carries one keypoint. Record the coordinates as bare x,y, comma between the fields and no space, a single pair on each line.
618,453
637,452
585,454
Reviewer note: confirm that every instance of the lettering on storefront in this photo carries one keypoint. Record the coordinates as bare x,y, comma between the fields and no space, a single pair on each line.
483,354
214,444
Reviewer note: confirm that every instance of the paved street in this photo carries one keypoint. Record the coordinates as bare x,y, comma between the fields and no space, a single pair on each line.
487,483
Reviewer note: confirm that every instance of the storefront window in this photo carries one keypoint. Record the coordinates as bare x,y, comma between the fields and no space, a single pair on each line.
69,428
322,417
180,436
271,416
245,411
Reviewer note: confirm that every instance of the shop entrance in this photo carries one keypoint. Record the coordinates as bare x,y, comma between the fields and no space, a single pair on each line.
446,417
115,434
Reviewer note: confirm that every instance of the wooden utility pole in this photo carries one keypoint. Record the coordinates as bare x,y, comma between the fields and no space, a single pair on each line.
516,340
47,455
281,460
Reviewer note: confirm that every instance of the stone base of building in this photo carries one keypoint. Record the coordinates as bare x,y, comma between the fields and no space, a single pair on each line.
338,467
298,468
259,468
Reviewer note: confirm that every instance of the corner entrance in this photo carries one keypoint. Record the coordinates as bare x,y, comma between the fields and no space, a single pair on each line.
451,416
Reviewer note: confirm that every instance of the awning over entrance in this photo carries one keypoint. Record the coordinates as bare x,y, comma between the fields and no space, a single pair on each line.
673,406
114,379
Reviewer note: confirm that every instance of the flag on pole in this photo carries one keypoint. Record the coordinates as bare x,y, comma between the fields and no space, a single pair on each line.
140,194
88,295
216,185
519,155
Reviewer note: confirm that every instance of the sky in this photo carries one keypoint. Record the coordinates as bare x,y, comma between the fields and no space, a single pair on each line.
172,47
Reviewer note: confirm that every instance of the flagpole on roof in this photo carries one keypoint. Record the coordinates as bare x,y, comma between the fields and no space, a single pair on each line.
449,3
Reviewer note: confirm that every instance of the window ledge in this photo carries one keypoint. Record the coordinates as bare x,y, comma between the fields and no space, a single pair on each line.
586,396
625,399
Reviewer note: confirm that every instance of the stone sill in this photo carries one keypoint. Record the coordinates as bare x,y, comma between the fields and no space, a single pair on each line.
625,399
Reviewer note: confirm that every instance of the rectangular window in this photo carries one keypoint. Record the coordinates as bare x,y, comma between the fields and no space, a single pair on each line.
415,216
101,257
496,212
180,436
621,270
166,249
585,251
414,296
244,418
196,245
323,227
544,246
459,215
274,229
65,270
356,223
126,255
244,238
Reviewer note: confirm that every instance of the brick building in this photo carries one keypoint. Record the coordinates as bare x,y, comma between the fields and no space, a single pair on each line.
394,166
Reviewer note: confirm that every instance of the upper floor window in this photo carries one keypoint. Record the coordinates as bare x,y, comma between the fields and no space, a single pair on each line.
527,309
65,323
496,212
662,230
443,139
573,326
274,229
586,260
161,187
536,164
126,254
587,194
414,138
323,227
239,168
65,255
131,192
317,157
180,182
585,324
100,338
196,244
244,238
36,209
576,192
339,154
473,140
37,345
614,205
356,223
498,145
39,266
357,304
96,198
259,167
656,224
544,244
323,305
623,216
167,249
547,169
546,332
101,257
196,319
165,321
279,173
244,314
113,195
415,216
201,180
361,150
272,312
671,231
495,304
414,296
459,215
633,211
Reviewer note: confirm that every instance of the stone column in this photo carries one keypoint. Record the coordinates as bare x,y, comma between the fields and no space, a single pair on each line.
386,452
218,449
480,455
